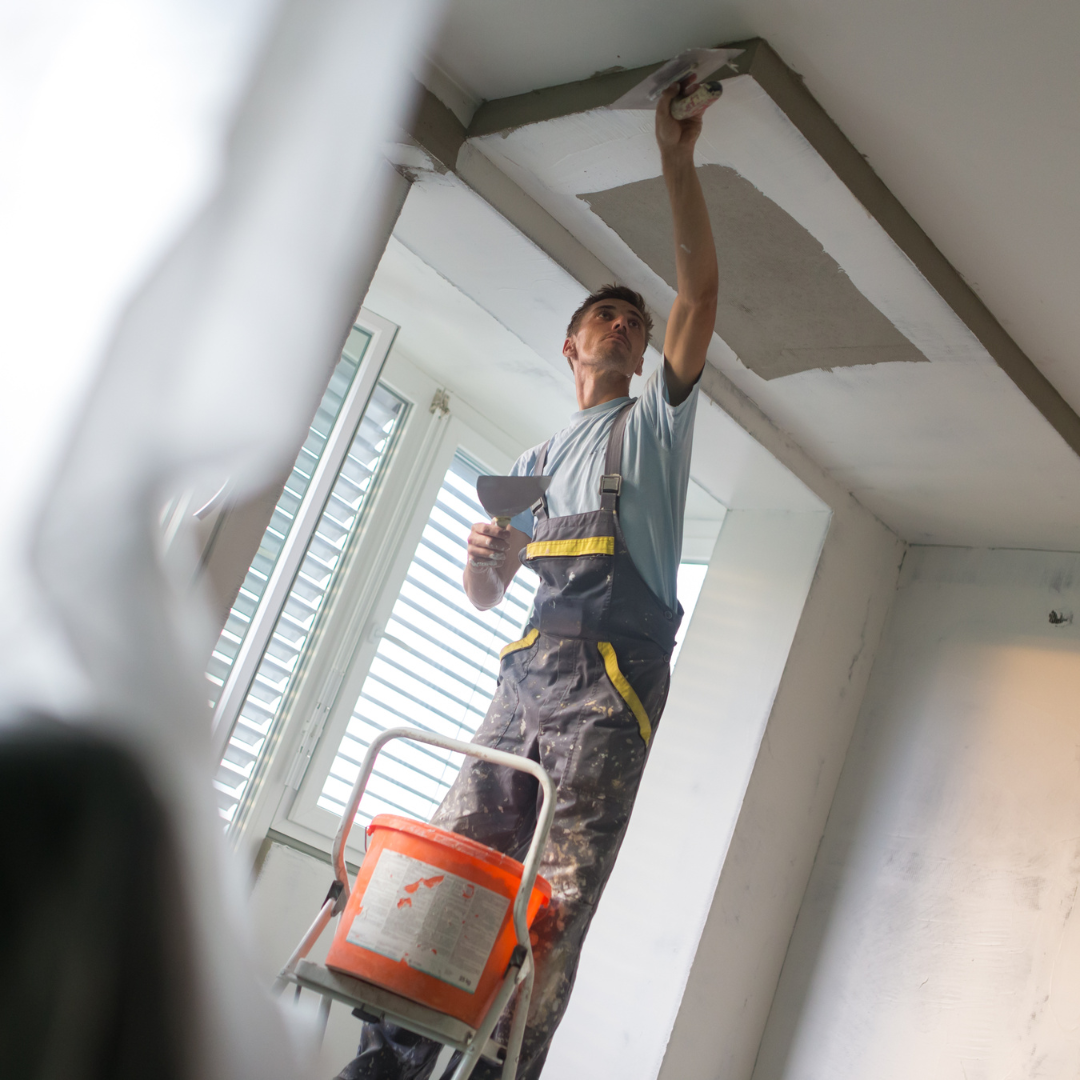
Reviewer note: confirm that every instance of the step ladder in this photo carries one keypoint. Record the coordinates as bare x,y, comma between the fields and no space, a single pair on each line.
374,1003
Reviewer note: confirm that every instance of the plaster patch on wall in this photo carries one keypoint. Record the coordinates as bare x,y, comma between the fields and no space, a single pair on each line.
786,305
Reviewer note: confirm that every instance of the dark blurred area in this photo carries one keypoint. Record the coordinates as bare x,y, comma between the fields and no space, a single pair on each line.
95,942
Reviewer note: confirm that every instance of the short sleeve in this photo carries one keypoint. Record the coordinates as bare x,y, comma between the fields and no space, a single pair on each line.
670,423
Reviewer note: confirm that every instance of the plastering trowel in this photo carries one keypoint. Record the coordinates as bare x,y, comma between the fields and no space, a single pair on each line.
504,496
690,69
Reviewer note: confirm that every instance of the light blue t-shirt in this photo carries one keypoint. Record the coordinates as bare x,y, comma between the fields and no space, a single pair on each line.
655,472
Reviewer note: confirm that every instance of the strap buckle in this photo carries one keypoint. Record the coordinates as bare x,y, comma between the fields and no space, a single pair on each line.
611,484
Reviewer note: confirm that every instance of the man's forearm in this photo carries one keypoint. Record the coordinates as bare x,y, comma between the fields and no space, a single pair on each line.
695,250
693,315
483,586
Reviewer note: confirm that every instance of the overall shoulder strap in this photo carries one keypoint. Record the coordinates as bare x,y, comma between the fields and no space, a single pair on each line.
611,481
541,460
539,508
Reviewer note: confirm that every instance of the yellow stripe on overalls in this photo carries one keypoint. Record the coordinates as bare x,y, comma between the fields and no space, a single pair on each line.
522,643
587,545
626,691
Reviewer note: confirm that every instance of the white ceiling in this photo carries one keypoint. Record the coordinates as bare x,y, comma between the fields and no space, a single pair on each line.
967,109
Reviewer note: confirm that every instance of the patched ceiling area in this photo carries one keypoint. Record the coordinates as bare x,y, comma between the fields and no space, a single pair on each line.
786,304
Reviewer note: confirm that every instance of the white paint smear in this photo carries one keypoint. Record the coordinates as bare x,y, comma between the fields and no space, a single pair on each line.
437,922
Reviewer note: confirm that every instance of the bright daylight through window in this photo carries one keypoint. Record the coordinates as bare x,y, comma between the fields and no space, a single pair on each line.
437,663
435,668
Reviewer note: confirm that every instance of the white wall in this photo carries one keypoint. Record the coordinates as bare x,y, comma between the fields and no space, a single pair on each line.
643,939
783,809
937,938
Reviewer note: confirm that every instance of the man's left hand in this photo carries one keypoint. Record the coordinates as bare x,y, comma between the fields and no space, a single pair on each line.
675,136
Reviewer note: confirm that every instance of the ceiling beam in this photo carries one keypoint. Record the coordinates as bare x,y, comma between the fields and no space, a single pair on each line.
436,129
798,104
505,114
443,138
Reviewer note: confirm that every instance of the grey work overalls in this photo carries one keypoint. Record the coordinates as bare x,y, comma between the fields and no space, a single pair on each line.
581,693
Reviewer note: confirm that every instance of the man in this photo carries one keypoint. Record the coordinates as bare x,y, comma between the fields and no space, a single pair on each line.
583,691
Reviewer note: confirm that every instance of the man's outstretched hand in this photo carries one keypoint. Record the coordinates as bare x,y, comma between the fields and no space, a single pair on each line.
675,136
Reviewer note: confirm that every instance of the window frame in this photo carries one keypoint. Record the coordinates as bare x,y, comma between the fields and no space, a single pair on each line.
234,691
436,425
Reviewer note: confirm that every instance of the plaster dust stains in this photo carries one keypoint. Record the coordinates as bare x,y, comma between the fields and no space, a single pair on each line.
786,305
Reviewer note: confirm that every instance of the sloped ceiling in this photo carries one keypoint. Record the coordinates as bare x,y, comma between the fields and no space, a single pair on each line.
824,322
967,109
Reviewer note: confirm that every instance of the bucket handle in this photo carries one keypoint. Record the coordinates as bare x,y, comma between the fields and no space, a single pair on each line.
496,757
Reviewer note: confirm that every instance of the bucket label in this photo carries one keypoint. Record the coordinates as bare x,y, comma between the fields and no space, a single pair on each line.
436,922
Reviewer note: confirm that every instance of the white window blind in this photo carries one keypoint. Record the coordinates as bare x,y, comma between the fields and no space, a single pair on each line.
251,592
266,697
435,668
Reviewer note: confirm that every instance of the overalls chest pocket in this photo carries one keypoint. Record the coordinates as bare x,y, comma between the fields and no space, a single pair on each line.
574,557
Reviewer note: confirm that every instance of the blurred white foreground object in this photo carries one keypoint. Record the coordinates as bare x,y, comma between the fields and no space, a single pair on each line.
187,200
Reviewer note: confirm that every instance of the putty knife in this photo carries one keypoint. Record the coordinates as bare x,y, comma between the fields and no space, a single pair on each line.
504,496
693,66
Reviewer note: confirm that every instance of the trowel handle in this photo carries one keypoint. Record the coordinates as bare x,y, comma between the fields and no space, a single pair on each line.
697,101
501,522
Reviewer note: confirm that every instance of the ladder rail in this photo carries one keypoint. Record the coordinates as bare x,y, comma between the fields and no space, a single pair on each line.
521,969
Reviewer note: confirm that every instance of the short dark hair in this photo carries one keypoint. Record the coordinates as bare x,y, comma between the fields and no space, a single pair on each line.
610,292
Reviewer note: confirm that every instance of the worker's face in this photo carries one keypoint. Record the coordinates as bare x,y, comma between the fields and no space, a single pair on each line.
612,336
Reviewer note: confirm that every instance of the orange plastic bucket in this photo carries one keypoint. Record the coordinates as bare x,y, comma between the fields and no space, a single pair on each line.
431,917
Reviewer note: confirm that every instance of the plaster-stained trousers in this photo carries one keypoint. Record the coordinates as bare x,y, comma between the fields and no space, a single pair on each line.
581,693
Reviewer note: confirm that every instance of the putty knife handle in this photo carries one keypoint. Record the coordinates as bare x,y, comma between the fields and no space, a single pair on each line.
697,101
501,522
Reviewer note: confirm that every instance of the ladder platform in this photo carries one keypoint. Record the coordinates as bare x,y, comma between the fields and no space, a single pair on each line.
386,1005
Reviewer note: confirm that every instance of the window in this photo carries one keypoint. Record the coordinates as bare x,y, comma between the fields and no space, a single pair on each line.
269,629
281,522
435,668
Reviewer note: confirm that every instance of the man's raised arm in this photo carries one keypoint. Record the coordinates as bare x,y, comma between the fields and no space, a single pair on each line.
693,315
